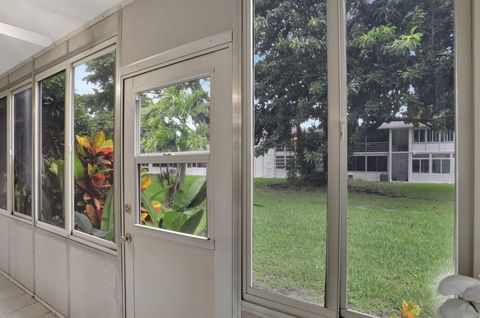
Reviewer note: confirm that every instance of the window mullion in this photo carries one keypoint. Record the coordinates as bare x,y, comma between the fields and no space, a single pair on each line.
337,156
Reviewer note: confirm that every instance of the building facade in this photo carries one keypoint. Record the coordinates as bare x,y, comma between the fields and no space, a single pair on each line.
405,153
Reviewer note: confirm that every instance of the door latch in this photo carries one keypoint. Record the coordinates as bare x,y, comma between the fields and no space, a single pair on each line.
128,208
127,238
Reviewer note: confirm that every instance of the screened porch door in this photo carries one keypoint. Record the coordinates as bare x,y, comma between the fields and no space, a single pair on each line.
178,189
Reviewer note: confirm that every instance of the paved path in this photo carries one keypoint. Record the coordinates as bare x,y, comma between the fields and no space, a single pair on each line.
15,303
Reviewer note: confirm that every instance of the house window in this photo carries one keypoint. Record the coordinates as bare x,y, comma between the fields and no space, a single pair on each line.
419,135
446,136
441,163
377,163
359,163
421,163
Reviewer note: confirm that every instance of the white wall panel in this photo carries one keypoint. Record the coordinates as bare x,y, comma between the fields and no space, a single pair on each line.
21,253
4,243
150,27
93,284
51,271
181,266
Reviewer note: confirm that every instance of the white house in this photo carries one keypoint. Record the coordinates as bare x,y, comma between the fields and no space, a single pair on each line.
407,153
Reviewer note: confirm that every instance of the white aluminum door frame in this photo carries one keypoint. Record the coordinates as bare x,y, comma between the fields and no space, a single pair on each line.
215,62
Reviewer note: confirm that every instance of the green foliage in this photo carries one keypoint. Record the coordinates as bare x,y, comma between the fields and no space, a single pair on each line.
175,118
185,211
400,58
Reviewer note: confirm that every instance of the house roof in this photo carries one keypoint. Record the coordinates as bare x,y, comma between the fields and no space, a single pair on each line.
396,124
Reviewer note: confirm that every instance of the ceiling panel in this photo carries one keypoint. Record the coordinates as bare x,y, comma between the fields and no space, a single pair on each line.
53,18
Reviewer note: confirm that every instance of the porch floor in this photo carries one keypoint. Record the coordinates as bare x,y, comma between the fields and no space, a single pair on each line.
15,303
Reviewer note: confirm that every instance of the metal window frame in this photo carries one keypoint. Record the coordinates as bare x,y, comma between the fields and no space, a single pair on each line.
337,145
201,156
62,67
8,155
104,48
23,86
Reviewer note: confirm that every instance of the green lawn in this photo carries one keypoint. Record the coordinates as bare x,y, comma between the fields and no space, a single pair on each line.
400,243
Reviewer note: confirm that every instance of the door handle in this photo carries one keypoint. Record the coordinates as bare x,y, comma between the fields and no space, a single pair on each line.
127,238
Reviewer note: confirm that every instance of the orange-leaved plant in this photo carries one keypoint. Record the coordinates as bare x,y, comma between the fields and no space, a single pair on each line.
408,310
94,182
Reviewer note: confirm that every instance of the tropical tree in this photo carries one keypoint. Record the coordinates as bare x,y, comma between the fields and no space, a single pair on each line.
400,66
175,118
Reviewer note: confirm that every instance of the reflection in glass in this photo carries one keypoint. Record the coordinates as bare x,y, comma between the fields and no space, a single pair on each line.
23,154
290,149
176,117
174,197
3,153
52,123
94,84
400,59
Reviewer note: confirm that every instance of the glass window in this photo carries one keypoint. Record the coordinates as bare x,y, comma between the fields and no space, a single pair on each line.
94,103
446,166
382,163
421,135
288,247
52,140
400,74
174,197
3,153
23,152
415,166
360,163
175,118
424,166
436,166
372,163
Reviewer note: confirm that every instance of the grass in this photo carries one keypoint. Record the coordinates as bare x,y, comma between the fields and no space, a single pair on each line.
400,243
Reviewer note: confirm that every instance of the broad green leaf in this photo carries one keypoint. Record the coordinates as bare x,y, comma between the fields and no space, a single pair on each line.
185,197
174,220
78,169
108,222
192,224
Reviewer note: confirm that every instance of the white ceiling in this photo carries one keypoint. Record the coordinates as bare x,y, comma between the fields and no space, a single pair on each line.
52,18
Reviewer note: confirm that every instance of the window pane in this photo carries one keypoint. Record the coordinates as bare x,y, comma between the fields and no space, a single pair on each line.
382,163
52,110
290,108
23,154
360,163
446,166
94,146
400,234
425,166
372,163
422,135
3,153
415,166
176,117
436,166
174,197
